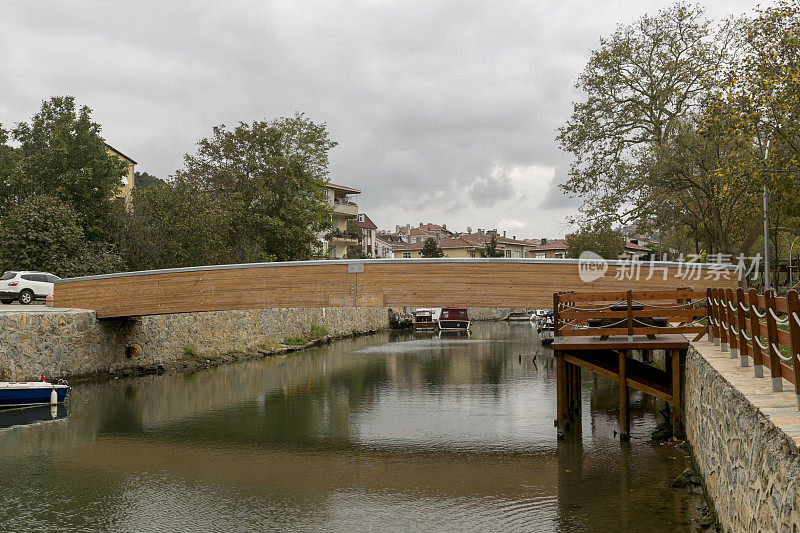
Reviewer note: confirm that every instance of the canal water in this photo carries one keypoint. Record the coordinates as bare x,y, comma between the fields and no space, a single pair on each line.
389,432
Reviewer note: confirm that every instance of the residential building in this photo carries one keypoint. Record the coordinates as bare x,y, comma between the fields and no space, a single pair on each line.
369,233
344,232
384,246
126,188
557,249
452,248
510,246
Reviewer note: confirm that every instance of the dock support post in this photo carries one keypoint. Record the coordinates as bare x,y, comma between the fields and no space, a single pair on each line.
577,389
676,391
624,418
561,393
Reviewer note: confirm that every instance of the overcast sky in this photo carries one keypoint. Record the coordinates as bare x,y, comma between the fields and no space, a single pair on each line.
444,111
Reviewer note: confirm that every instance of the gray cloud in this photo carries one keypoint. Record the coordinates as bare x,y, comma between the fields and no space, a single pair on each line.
430,102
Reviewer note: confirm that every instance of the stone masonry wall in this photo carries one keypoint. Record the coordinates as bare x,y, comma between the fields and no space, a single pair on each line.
751,468
74,342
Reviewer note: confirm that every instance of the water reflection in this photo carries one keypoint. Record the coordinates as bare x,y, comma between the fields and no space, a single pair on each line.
392,431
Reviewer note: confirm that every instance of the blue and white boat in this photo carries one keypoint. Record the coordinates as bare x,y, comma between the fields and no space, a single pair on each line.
24,393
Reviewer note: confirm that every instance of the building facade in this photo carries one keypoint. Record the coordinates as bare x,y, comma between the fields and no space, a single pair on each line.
344,221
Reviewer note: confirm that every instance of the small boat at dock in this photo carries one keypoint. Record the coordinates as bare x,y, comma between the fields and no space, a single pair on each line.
454,319
423,319
543,319
25,393
520,316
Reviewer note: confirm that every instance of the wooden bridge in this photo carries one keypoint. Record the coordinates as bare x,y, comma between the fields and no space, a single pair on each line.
520,283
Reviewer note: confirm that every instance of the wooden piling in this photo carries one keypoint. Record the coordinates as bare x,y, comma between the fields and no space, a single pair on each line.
676,391
741,320
755,328
732,337
624,416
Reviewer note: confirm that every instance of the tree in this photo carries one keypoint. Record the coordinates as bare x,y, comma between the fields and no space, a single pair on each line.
61,154
172,225
267,182
355,252
490,250
431,248
599,238
639,84
43,233
143,179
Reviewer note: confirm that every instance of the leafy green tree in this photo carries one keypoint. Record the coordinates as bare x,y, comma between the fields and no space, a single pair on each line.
490,250
44,233
355,252
60,153
599,238
143,179
639,84
172,225
431,248
267,180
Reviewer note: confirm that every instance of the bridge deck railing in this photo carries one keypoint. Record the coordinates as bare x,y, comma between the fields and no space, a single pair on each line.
762,327
629,313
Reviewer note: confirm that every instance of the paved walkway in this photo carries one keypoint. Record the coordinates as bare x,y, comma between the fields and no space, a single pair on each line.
779,407
36,308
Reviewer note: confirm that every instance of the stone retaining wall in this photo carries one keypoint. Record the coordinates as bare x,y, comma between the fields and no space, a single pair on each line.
73,342
751,467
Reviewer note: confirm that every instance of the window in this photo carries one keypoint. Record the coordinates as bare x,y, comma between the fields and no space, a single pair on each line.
559,255
539,255
406,255
472,253
508,253
8,275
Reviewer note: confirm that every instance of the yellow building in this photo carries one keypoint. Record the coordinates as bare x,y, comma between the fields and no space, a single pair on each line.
344,220
126,187
451,247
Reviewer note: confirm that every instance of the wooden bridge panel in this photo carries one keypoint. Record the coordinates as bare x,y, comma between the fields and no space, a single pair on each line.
475,283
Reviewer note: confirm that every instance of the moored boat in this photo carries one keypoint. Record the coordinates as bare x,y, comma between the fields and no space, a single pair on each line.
544,325
454,319
423,319
520,316
24,393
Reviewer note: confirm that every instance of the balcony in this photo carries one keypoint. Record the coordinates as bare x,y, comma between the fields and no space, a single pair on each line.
345,208
343,236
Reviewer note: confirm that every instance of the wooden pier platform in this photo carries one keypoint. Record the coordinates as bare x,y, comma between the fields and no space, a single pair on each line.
601,332
612,359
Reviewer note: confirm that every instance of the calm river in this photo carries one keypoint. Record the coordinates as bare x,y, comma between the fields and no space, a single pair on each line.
390,432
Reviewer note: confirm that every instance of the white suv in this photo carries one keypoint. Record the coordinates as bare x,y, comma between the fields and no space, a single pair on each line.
25,286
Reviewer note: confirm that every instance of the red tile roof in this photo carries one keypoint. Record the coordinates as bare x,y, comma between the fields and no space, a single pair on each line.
444,243
487,237
561,244
367,223
349,190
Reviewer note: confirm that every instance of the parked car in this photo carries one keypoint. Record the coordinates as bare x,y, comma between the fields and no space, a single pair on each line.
25,286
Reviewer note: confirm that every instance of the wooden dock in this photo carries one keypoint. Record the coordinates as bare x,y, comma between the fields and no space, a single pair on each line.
601,332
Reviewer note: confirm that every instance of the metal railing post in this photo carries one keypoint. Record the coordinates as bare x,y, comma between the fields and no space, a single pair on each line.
772,341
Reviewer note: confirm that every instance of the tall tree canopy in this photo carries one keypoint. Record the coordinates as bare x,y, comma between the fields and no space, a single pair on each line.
639,84
255,192
61,154
599,238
